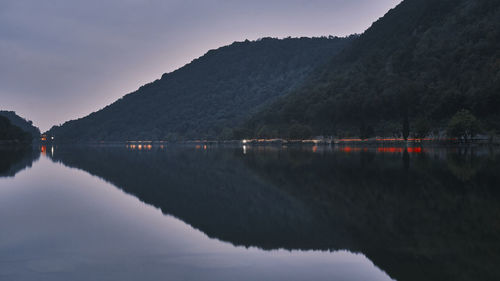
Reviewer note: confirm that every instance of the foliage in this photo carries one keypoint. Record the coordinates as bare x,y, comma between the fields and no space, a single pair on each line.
12,134
25,125
406,128
366,131
463,125
422,128
298,131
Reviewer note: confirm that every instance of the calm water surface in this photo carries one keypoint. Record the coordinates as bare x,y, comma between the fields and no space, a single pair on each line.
252,213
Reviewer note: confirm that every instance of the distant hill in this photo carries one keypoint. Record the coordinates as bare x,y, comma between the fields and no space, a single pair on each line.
210,95
424,60
22,123
11,134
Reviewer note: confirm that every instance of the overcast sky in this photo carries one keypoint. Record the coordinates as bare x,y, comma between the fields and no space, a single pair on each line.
63,59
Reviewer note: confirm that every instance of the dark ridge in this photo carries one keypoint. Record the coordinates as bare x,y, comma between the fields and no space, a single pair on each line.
209,96
423,61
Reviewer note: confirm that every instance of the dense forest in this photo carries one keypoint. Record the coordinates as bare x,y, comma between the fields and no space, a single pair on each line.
25,125
422,63
11,134
210,95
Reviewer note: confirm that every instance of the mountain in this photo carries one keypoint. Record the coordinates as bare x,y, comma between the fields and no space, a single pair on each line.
208,96
25,125
12,134
424,61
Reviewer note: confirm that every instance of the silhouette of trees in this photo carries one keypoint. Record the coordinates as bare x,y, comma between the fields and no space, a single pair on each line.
12,134
464,126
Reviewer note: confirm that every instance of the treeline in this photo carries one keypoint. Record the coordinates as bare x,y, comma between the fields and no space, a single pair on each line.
11,134
24,124
427,67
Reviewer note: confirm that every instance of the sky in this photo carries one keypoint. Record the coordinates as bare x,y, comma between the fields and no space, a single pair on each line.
63,59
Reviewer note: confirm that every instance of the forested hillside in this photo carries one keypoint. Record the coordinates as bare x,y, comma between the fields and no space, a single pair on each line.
22,123
209,96
11,134
424,61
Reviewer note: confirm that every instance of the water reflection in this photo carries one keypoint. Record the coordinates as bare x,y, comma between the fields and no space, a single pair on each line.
416,213
15,159
64,224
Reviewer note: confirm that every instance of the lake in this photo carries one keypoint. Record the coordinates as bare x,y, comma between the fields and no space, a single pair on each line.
200,212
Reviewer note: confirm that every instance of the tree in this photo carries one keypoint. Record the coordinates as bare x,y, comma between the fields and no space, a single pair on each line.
298,131
365,131
12,133
463,125
406,127
422,128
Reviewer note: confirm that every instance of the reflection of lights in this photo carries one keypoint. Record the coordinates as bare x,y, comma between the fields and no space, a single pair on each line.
139,146
415,150
400,150
198,146
43,149
315,148
52,151
244,149
390,149
348,149
205,147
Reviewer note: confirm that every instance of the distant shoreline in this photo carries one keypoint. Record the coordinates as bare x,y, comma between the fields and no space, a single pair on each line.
305,142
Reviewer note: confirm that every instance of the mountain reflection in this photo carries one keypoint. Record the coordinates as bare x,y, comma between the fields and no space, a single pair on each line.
15,159
417,214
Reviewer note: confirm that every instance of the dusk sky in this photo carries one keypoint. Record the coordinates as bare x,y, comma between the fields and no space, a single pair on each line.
61,59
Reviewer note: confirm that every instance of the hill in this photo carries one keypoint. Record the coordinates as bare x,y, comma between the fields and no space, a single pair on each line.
11,134
208,96
424,61
22,123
